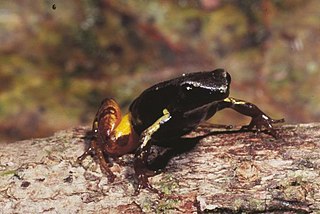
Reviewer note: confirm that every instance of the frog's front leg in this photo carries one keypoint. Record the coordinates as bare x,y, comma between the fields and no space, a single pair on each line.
142,153
107,118
259,118
96,148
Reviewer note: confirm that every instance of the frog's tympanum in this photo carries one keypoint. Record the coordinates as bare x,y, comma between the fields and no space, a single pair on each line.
162,113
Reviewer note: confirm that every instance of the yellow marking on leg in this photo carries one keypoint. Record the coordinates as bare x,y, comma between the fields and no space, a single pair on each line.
146,134
234,101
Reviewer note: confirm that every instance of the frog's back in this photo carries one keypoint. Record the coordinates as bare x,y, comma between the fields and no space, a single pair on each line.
179,95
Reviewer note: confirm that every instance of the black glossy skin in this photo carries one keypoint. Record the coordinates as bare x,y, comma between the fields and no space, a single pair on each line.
187,100
163,113
190,99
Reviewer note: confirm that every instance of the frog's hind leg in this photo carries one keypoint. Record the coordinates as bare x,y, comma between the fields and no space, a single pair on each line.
143,151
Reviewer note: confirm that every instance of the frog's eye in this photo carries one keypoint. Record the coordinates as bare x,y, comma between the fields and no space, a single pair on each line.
187,87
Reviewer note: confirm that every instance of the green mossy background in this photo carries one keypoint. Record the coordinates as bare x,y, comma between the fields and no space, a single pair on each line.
58,62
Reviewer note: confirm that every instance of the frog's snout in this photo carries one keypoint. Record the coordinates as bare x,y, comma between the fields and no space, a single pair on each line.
222,75
228,77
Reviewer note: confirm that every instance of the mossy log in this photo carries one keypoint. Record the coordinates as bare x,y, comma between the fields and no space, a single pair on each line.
226,172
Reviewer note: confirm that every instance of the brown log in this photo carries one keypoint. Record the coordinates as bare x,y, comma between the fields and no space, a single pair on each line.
227,171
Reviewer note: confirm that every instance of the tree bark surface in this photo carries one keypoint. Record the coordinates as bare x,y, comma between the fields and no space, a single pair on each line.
226,172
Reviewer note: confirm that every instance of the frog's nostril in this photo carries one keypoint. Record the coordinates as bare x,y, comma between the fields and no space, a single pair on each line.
224,73
220,74
228,77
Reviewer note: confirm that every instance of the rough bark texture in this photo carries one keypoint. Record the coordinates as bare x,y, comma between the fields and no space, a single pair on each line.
227,171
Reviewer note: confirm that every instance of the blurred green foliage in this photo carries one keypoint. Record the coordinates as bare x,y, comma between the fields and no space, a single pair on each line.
58,62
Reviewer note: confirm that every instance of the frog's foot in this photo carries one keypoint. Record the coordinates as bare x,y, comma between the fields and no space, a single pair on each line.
261,122
104,166
106,170
88,152
143,183
141,173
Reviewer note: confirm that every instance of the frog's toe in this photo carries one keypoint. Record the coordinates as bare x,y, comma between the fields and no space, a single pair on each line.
278,121
111,177
263,122
106,170
143,183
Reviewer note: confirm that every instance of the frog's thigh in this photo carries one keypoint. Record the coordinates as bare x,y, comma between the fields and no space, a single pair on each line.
146,134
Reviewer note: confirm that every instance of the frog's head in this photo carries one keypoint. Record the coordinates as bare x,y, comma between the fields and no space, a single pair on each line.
205,87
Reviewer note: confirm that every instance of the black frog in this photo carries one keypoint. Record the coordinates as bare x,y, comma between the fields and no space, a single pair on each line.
167,110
